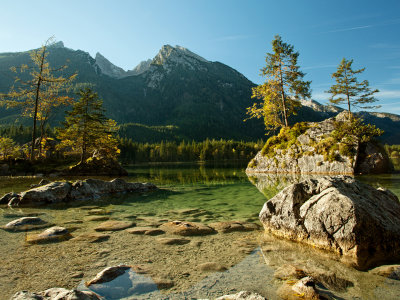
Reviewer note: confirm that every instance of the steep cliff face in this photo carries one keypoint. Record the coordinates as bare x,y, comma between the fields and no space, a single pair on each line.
310,148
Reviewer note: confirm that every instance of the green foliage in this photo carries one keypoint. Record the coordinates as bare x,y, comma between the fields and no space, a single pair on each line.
395,154
283,87
348,90
86,128
286,138
37,96
8,148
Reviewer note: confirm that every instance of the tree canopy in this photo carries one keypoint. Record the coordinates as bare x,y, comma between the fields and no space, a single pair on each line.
282,89
39,95
348,90
86,128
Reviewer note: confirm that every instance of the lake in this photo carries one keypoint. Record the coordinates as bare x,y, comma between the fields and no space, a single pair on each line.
204,193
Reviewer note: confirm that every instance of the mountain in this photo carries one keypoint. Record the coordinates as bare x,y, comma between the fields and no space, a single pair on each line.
178,92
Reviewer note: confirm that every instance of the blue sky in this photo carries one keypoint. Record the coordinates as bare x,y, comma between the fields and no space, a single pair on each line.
236,33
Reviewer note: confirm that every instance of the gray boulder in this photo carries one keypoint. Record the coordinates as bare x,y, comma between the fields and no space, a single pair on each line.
56,294
25,223
338,214
54,192
309,155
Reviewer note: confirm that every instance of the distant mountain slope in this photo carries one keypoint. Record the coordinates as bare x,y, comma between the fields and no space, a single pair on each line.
199,98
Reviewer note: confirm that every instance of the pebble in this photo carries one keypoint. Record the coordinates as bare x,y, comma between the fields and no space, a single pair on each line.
172,241
114,225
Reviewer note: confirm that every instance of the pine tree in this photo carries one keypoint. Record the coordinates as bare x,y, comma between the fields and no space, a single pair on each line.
348,89
86,128
283,87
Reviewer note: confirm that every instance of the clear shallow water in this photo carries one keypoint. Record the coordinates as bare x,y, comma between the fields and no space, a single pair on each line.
221,192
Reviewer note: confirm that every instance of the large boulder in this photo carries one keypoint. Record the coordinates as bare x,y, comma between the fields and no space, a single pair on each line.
338,214
54,192
309,148
98,164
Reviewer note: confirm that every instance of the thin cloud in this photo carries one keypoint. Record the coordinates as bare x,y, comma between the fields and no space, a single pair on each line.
362,27
384,46
385,94
393,81
233,38
353,28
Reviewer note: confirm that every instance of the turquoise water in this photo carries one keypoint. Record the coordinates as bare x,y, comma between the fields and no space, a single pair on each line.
187,192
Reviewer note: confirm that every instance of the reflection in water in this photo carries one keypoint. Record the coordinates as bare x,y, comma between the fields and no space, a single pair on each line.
125,285
219,193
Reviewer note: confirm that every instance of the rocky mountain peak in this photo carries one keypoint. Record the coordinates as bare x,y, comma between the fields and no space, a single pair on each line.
109,69
179,55
142,67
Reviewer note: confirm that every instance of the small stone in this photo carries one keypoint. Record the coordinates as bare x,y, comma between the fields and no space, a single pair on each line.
138,230
113,225
98,218
196,243
108,274
230,226
211,266
154,231
186,228
25,223
390,271
51,234
77,275
172,241
163,284
90,237
244,295
288,271
97,211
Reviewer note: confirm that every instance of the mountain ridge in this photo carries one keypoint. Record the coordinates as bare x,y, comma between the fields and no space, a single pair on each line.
200,98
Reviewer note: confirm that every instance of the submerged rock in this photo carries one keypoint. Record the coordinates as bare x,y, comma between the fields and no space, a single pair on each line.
338,214
108,274
172,241
391,271
211,267
186,228
244,295
56,294
51,234
54,192
25,223
113,225
90,237
229,226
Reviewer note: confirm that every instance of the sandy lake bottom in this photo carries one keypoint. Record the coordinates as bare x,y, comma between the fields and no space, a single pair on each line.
195,193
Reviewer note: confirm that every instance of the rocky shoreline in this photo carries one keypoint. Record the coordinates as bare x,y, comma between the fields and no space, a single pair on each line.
163,255
47,192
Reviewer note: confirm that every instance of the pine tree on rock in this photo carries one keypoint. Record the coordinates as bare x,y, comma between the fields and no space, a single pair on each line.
348,90
86,128
282,89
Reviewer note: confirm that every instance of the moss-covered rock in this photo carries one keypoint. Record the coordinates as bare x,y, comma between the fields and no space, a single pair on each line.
327,147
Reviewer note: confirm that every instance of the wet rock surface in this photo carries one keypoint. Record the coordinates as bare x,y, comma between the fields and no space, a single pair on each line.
339,214
56,294
25,223
186,228
51,234
230,226
55,192
244,295
114,225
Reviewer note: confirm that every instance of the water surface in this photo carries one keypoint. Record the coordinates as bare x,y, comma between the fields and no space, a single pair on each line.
219,192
